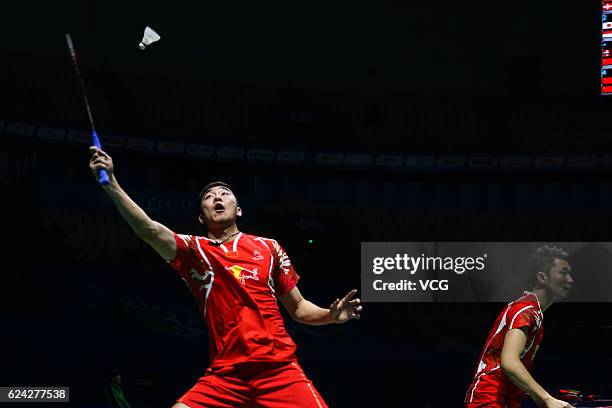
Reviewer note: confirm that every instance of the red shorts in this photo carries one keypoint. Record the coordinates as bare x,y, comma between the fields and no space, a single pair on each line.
493,404
277,385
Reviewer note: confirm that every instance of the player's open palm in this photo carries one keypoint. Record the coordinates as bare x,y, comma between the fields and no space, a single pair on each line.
346,308
100,160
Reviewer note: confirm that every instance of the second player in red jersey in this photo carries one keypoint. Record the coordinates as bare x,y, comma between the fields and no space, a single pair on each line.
490,382
503,374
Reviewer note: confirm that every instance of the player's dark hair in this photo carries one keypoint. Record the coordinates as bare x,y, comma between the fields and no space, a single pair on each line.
544,258
214,184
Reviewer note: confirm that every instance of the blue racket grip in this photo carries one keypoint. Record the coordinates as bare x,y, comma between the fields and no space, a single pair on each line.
102,174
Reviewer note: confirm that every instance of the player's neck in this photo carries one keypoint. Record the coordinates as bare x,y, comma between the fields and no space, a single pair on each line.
545,299
222,234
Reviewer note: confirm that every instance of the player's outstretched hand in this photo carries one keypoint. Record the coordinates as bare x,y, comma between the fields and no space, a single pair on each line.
555,403
100,160
345,309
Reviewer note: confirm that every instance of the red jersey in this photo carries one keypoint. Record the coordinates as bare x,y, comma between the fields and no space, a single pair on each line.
490,384
236,285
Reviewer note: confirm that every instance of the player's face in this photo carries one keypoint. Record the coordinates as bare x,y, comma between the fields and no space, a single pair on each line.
219,207
560,279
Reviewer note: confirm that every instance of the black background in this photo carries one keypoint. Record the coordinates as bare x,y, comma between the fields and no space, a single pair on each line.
80,294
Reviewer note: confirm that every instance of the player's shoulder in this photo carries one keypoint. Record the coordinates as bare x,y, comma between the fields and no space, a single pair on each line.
271,243
526,304
261,239
528,299
188,238
520,307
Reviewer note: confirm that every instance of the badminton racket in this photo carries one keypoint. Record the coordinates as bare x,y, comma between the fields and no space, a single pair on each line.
102,174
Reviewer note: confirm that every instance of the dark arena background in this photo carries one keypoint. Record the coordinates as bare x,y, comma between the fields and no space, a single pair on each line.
336,123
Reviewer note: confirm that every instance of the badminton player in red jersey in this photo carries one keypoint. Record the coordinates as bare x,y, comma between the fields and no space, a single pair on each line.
503,376
236,280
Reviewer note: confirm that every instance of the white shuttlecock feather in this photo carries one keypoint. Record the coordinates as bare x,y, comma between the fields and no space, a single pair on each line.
149,37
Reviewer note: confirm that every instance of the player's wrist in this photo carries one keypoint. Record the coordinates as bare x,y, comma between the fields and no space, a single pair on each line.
112,185
546,399
331,318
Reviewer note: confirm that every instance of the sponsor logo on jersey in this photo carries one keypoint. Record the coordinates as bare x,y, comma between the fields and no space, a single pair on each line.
257,256
242,274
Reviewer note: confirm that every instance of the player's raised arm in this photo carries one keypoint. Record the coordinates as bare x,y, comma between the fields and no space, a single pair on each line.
514,345
304,311
155,234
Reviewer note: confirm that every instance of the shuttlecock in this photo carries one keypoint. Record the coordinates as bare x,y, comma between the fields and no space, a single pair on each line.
149,37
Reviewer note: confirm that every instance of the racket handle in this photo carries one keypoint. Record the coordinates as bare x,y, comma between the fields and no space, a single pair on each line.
103,177
102,174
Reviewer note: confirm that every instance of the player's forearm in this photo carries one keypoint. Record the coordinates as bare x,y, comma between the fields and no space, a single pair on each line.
135,216
518,374
308,313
